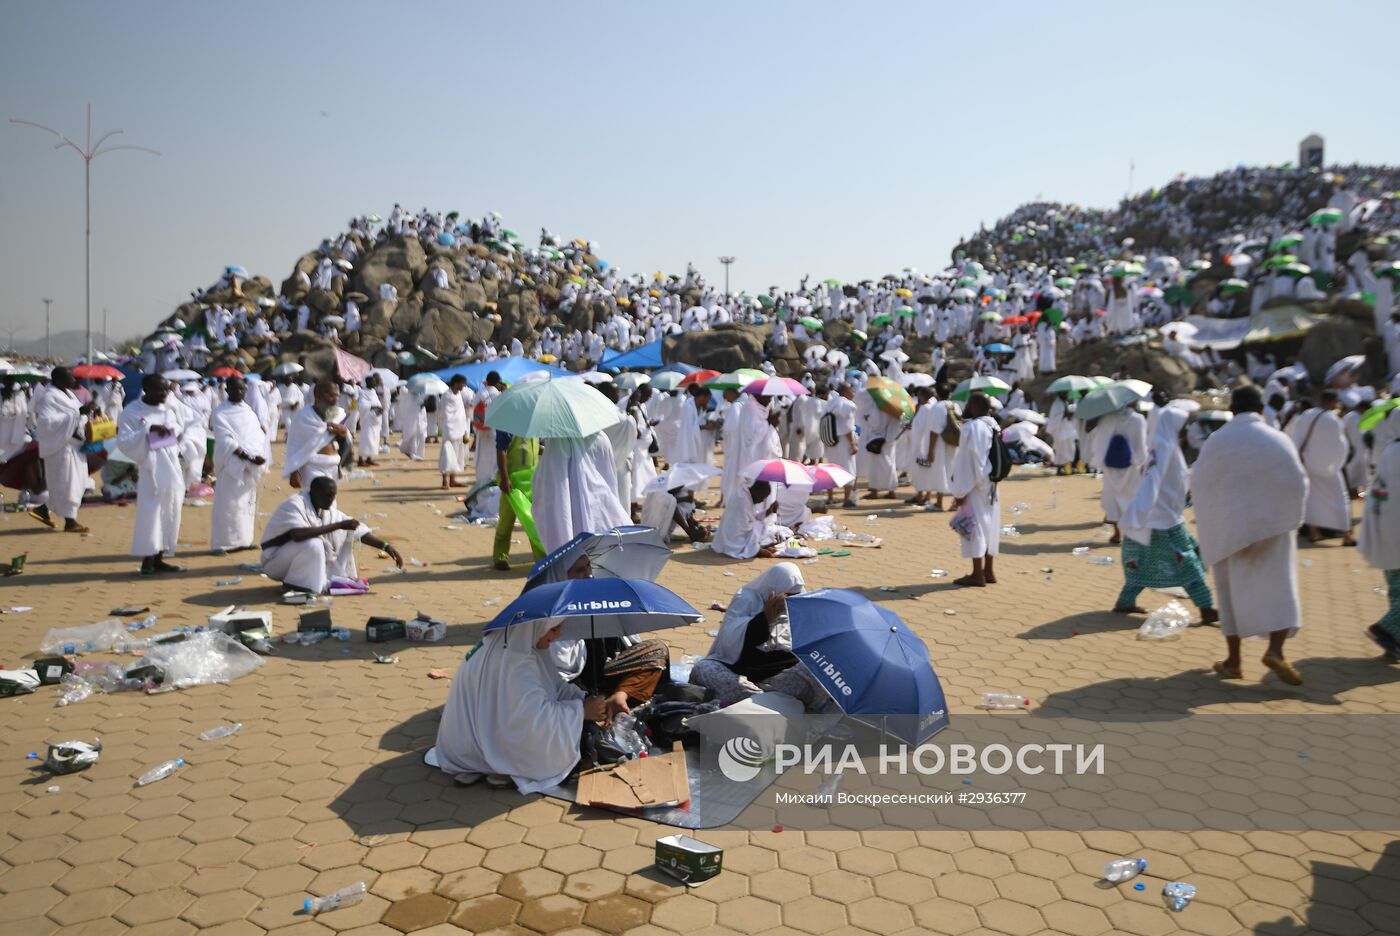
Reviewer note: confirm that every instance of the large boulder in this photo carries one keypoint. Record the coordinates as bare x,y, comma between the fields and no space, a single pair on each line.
520,316
1142,360
722,348
398,261
407,314
442,329
375,319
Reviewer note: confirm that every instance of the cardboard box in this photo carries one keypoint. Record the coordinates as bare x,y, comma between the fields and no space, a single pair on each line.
51,669
424,628
689,860
639,784
381,629
234,621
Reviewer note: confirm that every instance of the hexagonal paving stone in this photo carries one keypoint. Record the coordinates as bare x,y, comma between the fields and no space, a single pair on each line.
1008,916
616,913
469,883
484,913
88,905
749,914
405,883
880,915
779,885
220,908
416,913
160,907
573,858
813,914
552,913
392,857
592,884
684,913
512,858
941,915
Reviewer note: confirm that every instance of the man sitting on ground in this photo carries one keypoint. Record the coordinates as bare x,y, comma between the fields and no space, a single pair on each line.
308,541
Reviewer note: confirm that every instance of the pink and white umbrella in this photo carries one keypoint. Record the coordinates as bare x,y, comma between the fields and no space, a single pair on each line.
778,471
830,477
776,387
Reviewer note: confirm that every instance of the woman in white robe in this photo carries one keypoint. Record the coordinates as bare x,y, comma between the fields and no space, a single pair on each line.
413,424
509,714
1064,433
575,490
1120,481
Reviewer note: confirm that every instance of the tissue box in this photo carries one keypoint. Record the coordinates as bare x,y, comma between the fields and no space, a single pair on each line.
425,629
234,621
687,859
381,629
318,621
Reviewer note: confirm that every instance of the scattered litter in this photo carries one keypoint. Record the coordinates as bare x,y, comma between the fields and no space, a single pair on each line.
204,658
1139,886
222,731
373,839
1003,701
437,674
32,755
1123,869
1166,623
453,526
950,612
52,789
1079,551
17,609
1101,560
236,580
74,690
872,517
729,575
712,633
128,612
88,638
385,659
341,898
1179,895
1307,563
71,756
888,588
1047,570
160,771
146,622
414,560
249,567
491,602
1380,590
1010,532
938,573
840,554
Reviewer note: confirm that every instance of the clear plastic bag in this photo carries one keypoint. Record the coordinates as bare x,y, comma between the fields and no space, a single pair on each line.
1166,623
89,638
208,657
73,689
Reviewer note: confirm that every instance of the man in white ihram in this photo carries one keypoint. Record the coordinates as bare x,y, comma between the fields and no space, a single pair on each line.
308,541
241,454
311,436
150,436
972,487
58,428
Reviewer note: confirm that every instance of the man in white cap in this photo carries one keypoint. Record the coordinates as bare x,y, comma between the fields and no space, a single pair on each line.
241,455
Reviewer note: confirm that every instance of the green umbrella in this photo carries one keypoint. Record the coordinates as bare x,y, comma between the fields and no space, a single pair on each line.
857,333
667,381
509,234
1055,316
904,312
967,281
552,409
1324,216
1278,260
1286,241
1297,270
891,398
736,380
809,323
1072,383
766,301
832,282
1079,268
1376,415
994,386
1198,265
879,320
1231,286
1065,282
990,316
1389,269
1105,400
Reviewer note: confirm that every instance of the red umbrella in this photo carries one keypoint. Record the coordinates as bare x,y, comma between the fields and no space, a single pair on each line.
1033,316
1014,320
97,372
225,372
699,377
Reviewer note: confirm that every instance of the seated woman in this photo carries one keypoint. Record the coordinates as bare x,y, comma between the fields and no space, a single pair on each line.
509,715
745,531
753,651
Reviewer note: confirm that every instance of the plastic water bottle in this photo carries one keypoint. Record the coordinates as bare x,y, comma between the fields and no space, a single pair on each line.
147,621
1079,551
1100,560
223,731
1003,700
340,633
1124,869
1179,895
161,771
341,898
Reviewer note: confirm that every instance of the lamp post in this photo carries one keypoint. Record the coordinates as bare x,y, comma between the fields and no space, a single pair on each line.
89,151
726,261
48,350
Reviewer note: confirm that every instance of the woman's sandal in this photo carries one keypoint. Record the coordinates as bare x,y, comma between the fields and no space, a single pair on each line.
1283,670
1226,672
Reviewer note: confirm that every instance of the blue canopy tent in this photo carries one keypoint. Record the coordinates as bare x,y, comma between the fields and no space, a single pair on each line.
676,368
510,369
646,357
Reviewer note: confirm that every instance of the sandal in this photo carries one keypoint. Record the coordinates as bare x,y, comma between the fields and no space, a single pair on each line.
468,778
76,528
1132,609
967,581
1210,616
45,519
1226,672
1283,670
499,781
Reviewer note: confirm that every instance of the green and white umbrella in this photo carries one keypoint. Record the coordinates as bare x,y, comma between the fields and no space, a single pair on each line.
1072,383
1325,216
766,301
990,316
1376,415
1110,399
1296,270
1287,241
1391,268
881,320
992,386
904,312
1232,286
809,323
736,379
857,333
1065,282
552,409
832,282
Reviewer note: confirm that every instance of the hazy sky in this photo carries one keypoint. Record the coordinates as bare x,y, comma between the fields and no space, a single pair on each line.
828,138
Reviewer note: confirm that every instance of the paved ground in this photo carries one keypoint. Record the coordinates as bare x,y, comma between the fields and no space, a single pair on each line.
324,785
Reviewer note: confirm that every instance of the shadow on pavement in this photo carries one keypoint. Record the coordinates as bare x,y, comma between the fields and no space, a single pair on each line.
1348,900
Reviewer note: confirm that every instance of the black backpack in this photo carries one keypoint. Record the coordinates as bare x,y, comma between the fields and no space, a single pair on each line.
826,429
999,456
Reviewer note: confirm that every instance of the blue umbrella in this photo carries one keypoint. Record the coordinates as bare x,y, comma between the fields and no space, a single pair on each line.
869,661
234,269
445,239
627,552
676,368
999,348
606,607
510,369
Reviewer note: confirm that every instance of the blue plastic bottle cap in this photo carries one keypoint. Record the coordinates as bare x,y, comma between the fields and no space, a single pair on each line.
306,905
968,782
179,762
1139,886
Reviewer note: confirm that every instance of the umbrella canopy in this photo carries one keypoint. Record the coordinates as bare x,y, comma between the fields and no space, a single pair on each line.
1349,363
890,397
832,282
1107,400
857,333
993,386
1296,270
1025,415
98,372
1287,241
1325,216
666,381
917,379
766,301
596,377
880,320
511,370
829,477
336,320
224,372
388,378
599,607
684,475
1277,322
1000,348
1065,282
1072,383
810,323
1141,387
700,377
1376,415
904,293
776,387
677,367
552,409
777,471
631,380
647,355
1232,286
628,552
180,373
738,379
990,316
287,370
869,661
352,369
426,385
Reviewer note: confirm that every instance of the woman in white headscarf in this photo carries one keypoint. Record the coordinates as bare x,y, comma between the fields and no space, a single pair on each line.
753,651
510,715
1158,549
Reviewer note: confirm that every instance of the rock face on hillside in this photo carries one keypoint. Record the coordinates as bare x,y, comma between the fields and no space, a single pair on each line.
722,348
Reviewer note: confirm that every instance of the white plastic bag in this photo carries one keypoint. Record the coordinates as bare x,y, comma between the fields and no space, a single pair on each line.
90,638
1166,623
207,657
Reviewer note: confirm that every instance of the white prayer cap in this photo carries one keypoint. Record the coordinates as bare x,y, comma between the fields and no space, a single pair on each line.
1350,397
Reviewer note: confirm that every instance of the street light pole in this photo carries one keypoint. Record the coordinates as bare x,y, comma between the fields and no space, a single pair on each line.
726,261
89,151
48,351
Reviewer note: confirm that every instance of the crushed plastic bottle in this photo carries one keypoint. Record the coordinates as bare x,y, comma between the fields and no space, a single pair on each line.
938,573
224,583
1010,532
340,633
1124,869
1079,551
415,561
1005,701
146,622
623,734
1166,623
160,771
74,689
334,901
223,731
1101,560
1179,894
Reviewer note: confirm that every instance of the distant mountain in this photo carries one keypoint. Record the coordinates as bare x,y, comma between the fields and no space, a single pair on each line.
67,345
